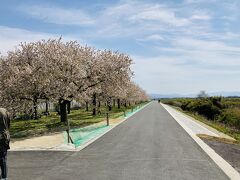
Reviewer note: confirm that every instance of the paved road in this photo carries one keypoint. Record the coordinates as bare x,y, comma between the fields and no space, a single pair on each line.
149,145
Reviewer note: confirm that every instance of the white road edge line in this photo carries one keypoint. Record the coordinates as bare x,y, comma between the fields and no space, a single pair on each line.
87,143
222,164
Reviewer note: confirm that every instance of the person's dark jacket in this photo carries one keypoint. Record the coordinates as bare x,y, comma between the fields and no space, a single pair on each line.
4,129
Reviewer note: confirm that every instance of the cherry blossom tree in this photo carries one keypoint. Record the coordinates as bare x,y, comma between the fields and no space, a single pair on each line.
57,71
116,72
23,78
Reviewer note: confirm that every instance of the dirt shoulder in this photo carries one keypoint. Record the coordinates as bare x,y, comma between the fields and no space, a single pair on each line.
47,141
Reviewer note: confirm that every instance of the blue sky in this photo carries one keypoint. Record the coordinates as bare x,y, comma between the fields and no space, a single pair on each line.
178,46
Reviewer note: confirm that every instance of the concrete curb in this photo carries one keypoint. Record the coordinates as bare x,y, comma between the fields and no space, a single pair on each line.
222,164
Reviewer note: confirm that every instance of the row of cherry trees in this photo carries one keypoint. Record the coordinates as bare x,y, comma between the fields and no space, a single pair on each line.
57,71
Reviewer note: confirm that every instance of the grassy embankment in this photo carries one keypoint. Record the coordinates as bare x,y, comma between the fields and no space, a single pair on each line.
50,124
220,113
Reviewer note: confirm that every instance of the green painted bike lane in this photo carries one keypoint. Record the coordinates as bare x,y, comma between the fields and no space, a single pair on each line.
81,136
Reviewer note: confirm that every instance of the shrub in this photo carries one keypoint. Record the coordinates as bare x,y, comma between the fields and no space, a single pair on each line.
172,103
177,103
207,109
231,117
204,107
217,101
184,105
187,104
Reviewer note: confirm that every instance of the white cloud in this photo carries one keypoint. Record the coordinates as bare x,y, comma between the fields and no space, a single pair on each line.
137,19
57,15
159,14
206,45
154,37
189,66
199,1
230,36
214,55
201,17
200,14
169,74
123,19
10,38
120,10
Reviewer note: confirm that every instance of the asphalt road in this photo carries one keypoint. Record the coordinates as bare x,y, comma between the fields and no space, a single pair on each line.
149,145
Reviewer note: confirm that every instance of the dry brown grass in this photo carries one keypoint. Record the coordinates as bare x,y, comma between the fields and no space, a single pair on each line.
219,139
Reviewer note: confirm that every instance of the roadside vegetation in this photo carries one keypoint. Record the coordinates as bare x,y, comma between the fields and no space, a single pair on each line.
222,113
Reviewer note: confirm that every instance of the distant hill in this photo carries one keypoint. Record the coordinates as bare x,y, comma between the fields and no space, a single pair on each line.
156,96
220,93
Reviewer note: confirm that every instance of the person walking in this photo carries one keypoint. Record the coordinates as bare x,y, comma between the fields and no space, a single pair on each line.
4,141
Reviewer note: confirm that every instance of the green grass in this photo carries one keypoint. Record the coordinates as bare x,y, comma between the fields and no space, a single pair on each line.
51,123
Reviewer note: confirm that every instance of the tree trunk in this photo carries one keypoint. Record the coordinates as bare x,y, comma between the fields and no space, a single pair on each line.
86,106
118,102
99,107
63,110
68,107
14,114
35,113
110,104
125,104
114,102
94,102
109,107
47,108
